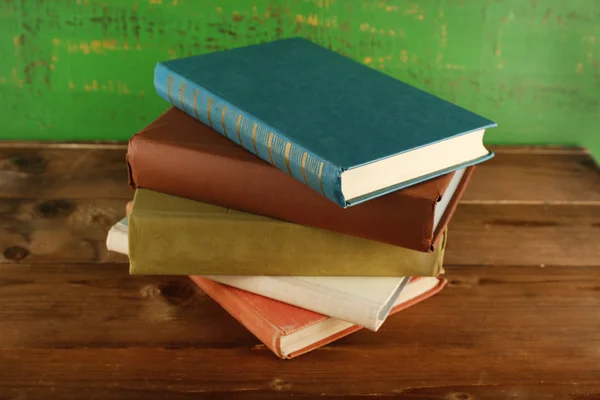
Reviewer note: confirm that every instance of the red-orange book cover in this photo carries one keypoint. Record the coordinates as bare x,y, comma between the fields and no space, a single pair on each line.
290,331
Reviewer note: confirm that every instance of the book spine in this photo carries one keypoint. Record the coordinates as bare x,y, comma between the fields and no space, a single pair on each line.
249,132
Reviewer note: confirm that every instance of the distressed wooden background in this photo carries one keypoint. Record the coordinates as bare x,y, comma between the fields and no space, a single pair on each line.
82,69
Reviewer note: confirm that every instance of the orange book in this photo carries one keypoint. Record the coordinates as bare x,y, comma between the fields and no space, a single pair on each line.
290,331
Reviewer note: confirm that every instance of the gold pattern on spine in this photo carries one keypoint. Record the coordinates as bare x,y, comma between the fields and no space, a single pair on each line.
223,120
195,111
304,157
321,178
288,148
254,138
239,123
169,88
269,144
209,104
181,96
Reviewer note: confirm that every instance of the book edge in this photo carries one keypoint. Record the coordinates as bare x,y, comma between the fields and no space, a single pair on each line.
442,283
452,206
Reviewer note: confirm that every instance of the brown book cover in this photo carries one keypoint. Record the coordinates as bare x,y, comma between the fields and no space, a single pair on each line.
178,155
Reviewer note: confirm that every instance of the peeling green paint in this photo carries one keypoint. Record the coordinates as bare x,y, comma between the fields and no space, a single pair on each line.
82,69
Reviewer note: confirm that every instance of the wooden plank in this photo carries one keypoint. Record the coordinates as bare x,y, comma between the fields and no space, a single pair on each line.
534,149
63,172
74,231
61,230
543,177
524,235
516,175
492,331
543,390
115,145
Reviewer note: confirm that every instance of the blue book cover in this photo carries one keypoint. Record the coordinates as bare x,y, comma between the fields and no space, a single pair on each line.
346,130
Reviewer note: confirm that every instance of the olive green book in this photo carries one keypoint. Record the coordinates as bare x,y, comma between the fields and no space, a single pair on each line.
170,235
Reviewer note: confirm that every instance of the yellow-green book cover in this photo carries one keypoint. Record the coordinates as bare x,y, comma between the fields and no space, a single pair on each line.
170,235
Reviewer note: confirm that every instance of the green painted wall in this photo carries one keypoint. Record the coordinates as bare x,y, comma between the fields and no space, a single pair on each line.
82,69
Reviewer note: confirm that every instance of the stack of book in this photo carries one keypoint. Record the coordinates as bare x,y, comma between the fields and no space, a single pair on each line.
307,194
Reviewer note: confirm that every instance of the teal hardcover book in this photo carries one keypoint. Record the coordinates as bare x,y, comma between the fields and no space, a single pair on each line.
346,130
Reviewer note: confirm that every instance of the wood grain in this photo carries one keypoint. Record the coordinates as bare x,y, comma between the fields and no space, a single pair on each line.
546,391
524,235
541,177
491,331
60,230
91,171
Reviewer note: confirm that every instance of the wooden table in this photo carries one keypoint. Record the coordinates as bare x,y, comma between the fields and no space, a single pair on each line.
520,317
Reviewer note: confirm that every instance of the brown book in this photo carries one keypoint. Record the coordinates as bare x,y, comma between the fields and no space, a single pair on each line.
178,155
